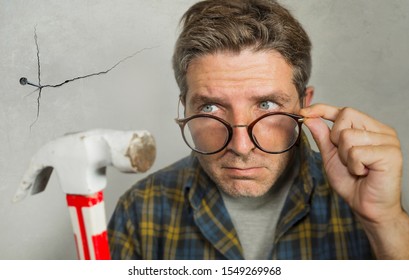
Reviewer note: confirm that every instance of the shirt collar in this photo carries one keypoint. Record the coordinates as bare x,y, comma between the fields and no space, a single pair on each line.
298,201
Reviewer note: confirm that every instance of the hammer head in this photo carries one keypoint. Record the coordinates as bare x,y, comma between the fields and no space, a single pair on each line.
80,160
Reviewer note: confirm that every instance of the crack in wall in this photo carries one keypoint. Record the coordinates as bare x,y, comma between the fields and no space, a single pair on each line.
40,87
39,78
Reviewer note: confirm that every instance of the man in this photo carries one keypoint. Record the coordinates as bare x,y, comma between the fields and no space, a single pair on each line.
253,188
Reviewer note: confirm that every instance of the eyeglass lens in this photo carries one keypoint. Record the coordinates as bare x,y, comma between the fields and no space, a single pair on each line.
273,133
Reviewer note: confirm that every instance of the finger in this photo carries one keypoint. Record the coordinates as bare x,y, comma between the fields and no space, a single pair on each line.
324,111
321,134
350,138
386,160
351,118
345,118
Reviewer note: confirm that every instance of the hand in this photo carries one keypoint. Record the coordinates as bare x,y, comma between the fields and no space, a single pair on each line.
362,159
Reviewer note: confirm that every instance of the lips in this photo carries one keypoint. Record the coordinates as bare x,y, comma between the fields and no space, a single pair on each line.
242,172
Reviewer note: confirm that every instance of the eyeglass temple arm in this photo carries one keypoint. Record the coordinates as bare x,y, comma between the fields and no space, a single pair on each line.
300,121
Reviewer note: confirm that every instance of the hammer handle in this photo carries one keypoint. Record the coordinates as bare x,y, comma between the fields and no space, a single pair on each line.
89,225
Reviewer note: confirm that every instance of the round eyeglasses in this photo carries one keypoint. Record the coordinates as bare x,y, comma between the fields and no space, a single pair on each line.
273,133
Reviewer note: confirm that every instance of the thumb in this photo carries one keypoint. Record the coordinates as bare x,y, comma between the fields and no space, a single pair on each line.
321,134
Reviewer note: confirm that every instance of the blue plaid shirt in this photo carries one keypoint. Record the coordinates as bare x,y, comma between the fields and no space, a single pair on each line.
178,213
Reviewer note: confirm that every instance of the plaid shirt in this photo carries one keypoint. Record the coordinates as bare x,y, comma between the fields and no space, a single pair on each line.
178,213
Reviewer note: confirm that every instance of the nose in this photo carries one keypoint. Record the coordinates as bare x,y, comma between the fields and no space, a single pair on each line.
240,143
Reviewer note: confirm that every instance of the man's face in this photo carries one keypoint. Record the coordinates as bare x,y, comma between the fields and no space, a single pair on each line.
239,88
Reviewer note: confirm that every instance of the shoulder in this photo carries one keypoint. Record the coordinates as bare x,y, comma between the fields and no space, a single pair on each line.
162,184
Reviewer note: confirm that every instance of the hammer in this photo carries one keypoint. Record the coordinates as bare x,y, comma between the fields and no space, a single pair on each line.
80,161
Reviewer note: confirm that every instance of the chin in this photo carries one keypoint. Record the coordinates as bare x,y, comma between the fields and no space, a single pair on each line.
244,190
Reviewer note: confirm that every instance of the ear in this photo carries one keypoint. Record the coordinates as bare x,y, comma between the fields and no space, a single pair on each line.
182,100
308,95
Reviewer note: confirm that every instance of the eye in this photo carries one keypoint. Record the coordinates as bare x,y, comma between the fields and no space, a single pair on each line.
209,108
268,105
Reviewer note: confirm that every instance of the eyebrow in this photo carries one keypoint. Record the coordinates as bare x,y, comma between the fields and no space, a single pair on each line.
203,99
279,96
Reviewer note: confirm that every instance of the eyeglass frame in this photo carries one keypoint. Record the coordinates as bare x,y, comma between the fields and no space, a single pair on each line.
299,119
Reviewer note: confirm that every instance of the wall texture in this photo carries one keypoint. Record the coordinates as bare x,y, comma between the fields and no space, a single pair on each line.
360,60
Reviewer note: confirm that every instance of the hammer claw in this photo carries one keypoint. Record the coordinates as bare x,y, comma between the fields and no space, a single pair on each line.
35,179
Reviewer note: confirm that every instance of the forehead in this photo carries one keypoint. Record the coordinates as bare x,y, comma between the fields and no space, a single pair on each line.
247,72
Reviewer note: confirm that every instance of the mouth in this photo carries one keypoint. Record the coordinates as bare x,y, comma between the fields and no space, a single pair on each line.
242,172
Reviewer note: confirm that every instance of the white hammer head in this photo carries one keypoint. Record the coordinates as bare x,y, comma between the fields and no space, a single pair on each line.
80,160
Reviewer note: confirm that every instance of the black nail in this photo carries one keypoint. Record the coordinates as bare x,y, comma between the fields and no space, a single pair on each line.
23,82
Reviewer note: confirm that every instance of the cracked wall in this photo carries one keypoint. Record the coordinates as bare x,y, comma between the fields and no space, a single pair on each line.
90,65
23,80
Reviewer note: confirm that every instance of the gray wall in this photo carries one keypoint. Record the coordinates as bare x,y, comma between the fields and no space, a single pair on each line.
360,60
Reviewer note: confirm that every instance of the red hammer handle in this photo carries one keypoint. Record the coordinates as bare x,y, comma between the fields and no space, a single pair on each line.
89,226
